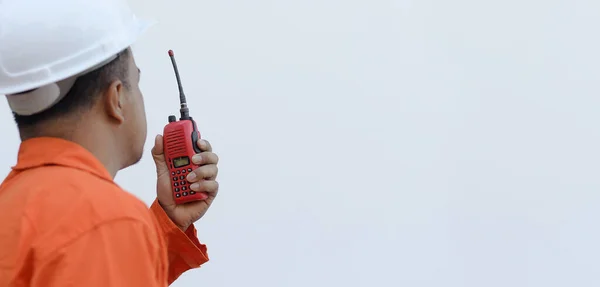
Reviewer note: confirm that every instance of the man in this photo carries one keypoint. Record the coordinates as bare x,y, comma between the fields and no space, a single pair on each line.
64,221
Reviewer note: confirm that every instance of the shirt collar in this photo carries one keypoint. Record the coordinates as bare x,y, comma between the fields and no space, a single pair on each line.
36,152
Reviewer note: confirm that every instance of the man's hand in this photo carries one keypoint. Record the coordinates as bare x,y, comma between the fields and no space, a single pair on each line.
203,179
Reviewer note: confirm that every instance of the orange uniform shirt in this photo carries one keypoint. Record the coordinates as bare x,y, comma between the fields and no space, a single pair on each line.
65,222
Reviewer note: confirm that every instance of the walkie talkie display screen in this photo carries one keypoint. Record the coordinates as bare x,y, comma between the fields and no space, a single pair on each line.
181,161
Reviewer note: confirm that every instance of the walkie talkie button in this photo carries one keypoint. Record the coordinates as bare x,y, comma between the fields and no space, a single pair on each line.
192,192
177,189
183,188
174,178
182,177
185,194
177,195
176,184
182,183
183,171
189,169
173,173
179,171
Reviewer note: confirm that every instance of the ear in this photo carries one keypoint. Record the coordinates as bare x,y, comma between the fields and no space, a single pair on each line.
114,98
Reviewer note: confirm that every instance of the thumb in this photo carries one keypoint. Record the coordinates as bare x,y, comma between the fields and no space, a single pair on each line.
158,152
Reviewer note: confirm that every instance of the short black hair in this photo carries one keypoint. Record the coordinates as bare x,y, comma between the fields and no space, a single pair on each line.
84,94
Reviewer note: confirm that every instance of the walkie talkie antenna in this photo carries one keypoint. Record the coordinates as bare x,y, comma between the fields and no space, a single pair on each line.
185,112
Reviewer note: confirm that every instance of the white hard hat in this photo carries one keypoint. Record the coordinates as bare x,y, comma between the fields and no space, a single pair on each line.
46,44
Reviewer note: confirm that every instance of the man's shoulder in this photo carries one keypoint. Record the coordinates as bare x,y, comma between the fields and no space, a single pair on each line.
71,185
61,204
61,196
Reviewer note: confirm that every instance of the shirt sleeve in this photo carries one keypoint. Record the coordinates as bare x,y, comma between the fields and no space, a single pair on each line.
185,251
118,253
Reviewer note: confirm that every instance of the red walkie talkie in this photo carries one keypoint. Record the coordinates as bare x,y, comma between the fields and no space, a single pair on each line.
180,143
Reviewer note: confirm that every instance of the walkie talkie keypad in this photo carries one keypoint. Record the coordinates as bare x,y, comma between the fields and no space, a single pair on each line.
180,185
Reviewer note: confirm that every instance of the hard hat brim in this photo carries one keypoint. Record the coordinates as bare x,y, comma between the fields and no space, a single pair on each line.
65,68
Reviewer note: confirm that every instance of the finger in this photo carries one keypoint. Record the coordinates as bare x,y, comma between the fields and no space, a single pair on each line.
158,146
203,172
205,158
209,186
204,145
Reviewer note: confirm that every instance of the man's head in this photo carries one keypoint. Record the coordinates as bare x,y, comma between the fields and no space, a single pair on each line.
104,106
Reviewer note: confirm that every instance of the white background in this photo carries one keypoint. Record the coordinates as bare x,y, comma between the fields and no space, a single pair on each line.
384,143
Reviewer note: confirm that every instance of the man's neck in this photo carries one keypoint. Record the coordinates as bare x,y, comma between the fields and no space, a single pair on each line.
100,142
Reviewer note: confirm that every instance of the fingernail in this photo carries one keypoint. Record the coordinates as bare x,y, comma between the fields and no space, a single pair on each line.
203,143
197,159
191,176
195,187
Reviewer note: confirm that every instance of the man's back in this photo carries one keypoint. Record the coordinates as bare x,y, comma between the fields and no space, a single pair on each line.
57,207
